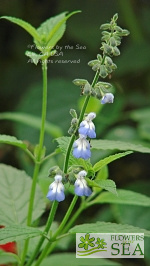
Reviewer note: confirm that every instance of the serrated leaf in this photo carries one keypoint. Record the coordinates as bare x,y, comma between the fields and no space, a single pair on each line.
53,29
17,232
124,197
15,186
34,57
105,184
70,259
118,145
107,228
25,25
11,140
63,143
109,159
32,121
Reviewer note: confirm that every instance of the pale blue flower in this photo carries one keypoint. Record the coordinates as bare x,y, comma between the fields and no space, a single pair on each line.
81,148
56,190
107,98
81,187
87,127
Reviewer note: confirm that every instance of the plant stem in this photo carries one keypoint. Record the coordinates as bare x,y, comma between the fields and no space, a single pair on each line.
80,119
44,109
73,219
67,227
58,231
38,156
47,227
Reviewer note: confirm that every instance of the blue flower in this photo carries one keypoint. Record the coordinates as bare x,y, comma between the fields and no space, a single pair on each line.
107,98
81,148
81,188
56,190
87,127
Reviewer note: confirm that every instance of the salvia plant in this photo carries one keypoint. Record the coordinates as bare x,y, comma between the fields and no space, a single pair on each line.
24,202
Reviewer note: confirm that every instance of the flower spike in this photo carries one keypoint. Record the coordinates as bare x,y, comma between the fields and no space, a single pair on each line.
56,190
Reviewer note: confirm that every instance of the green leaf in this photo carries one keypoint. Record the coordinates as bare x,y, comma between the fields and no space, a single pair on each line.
34,57
5,139
65,101
70,259
109,159
25,25
8,257
15,186
63,143
107,228
144,130
32,121
17,232
53,29
124,197
105,184
118,145
102,174
141,114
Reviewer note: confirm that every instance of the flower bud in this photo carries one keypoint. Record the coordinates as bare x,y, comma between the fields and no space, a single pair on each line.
80,82
93,62
125,33
115,17
87,89
71,130
112,42
103,71
74,121
116,51
98,94
105,26
108,61
93,92
73,113
53,171
96,67
99,57
107,48
117,28
103,84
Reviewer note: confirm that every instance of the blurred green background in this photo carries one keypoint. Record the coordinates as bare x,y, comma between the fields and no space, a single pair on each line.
128,119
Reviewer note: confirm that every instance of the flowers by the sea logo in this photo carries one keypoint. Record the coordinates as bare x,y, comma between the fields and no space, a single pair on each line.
108,245
91,245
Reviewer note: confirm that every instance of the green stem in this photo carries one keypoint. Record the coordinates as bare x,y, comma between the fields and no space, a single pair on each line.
45,251
68,226
44,108
73,219
38,156
58,231
80,119
50,155
47,228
